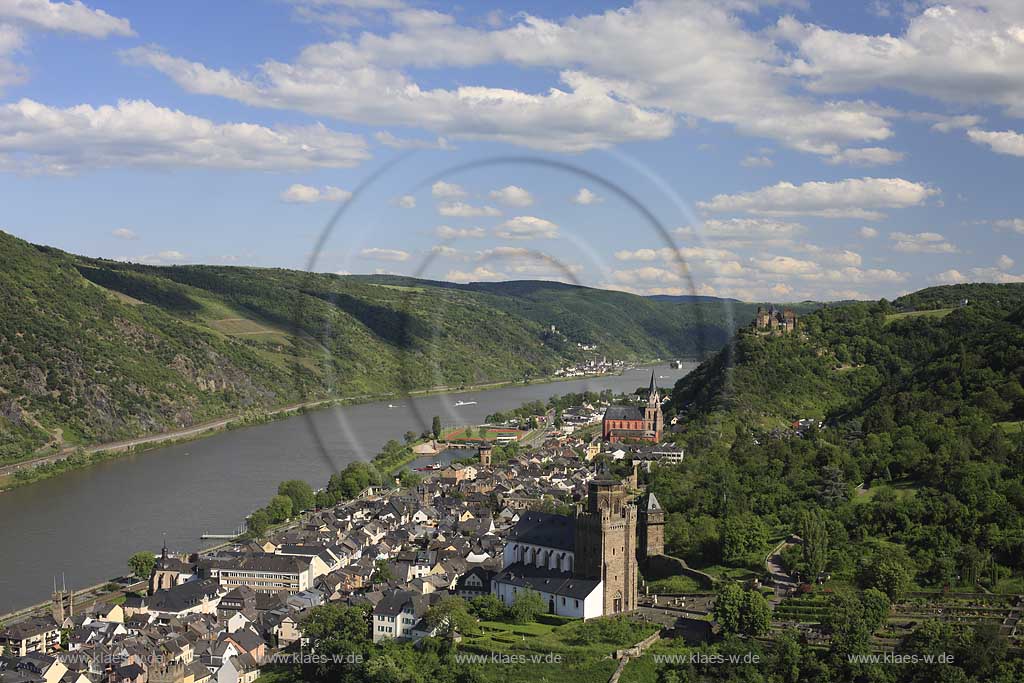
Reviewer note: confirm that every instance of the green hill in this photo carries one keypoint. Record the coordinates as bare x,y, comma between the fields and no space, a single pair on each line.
94,350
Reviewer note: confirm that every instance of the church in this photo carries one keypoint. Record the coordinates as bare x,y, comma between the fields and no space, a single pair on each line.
583,565
634,423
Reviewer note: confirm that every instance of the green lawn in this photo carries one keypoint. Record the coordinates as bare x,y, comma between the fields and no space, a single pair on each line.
1012,427
901,490
674,584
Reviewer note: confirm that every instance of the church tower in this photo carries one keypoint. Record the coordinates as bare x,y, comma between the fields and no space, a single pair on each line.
653,419
652,528
605,547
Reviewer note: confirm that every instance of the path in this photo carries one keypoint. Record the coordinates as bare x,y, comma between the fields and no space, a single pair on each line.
781,581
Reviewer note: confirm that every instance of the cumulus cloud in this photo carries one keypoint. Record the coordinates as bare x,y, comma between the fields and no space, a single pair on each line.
527,227
948,277
71,17
1002,142
1005,262
512,195
41,138
389,140
162,258
868,232
756,161
744,231
379,254
866,156
963,51
406,201
645,274
464,210
124,234
307,194
922,243
447,232
784,265
1014,224
443,190
851,198
585,197
478,274
604,95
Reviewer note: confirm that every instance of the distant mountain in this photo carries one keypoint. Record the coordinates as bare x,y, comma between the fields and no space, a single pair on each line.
93,350
692,298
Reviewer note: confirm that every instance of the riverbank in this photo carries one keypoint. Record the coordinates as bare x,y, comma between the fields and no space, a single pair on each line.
79,457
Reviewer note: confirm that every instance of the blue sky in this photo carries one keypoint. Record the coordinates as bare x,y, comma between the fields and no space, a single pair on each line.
763,150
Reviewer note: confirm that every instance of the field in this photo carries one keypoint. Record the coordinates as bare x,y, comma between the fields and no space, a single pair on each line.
935,313
491,433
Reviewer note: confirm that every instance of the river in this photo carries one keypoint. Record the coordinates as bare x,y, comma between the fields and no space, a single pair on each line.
86,523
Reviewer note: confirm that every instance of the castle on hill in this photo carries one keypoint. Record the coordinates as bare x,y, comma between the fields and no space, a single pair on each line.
775,321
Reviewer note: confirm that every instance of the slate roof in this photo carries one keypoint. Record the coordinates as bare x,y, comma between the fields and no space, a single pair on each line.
546,580
623,413
545,529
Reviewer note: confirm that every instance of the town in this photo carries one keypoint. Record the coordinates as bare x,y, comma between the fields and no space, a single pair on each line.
549,521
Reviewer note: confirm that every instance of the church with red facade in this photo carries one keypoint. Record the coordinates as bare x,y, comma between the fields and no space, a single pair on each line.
635,423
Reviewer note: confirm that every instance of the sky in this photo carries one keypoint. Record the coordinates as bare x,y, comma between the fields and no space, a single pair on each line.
757,149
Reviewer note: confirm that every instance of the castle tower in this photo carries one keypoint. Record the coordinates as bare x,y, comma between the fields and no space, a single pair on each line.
63,602
605,546
653,419
485,454
652,528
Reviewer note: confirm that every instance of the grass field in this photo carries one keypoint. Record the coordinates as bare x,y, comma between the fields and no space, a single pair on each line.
901,490
936,313
674,584
1012,427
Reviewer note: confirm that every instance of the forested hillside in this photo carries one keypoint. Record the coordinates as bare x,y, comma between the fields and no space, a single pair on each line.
94,350
914,481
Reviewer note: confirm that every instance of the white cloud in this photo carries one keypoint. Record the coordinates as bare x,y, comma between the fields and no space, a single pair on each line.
964,51
1001,142
388,140
527,227
843,257
443,190
512,195
866,156
948,277
756,161
72,17
447,232
124,234
307,194
922,243
744,230
585,197
378,254
478,274
445,250
163,258
868,232
10,42
464,210
48,139
645,275
852,198
1005,262
950,123
1014,224
784,265
406,201
605,95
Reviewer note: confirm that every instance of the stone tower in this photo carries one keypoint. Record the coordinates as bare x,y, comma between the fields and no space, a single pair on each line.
605,546
653,419
62,603
485,454
652,528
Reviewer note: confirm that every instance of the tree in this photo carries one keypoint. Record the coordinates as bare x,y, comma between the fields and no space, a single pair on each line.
728,605
487,607
527,606
300,493
436,427
279,509
382,572
258,523
450,615
755,615
142,563
815,544
409,437
742,535
876,608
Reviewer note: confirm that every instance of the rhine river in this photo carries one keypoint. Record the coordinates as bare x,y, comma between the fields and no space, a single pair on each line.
86,523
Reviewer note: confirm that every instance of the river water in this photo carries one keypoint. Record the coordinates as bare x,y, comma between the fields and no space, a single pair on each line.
86,523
